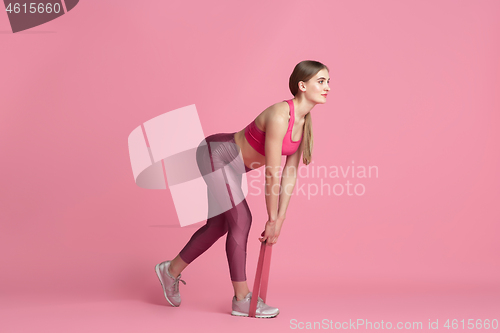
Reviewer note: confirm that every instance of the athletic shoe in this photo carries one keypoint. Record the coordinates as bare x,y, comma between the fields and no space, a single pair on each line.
169,283
242,308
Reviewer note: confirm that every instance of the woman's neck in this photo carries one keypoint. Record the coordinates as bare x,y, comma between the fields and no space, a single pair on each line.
302,106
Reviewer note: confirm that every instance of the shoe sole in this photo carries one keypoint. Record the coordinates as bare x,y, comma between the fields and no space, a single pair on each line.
242,314
157,270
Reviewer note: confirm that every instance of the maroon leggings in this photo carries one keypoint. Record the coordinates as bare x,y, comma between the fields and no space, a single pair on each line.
220,152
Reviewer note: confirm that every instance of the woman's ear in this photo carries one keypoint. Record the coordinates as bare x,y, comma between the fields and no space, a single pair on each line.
302,86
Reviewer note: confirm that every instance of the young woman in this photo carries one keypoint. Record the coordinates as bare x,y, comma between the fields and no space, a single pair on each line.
284,128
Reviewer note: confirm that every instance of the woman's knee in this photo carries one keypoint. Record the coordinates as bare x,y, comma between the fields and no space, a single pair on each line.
223,229
243,221
217,225
247,212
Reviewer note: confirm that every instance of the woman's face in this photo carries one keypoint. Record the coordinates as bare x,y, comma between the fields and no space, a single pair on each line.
317,88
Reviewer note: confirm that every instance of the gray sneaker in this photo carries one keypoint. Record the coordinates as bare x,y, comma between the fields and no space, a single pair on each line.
241,308
169,283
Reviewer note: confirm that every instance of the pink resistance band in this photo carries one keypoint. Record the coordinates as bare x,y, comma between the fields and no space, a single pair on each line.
261,277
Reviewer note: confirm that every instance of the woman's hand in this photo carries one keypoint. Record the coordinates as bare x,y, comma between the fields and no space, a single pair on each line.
270,233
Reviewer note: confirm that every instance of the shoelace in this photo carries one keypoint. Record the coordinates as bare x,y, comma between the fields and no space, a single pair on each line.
176,283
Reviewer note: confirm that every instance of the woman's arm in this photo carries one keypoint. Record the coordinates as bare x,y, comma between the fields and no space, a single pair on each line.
276,127
288,180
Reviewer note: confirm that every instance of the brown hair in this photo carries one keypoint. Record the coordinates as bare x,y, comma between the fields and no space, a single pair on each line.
304,71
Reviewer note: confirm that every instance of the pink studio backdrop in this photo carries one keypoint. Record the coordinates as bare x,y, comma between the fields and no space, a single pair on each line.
414,92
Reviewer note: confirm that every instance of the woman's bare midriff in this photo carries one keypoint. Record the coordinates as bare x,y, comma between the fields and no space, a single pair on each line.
252,158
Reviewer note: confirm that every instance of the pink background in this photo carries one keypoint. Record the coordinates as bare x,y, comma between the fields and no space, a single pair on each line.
414,91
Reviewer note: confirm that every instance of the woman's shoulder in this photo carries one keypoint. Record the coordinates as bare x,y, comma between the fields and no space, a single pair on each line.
278,112
280,109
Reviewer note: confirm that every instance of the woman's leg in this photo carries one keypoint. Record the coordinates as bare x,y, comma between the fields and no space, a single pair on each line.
221,154
176,266
240,289
239,220
201,241
208,161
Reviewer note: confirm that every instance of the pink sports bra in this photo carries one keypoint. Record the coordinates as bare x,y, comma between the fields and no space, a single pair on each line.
256,137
